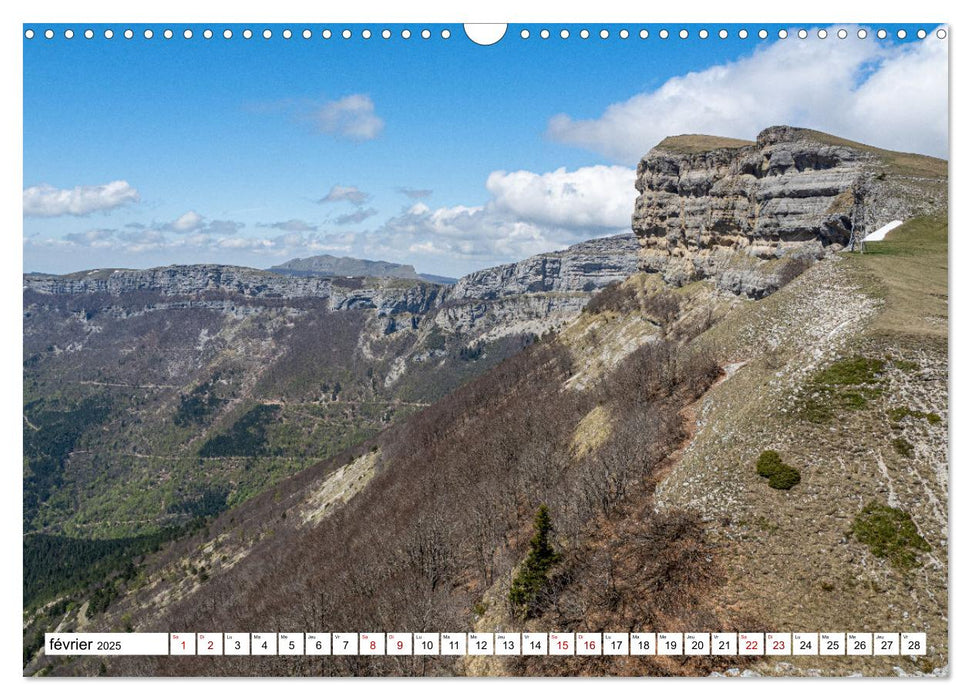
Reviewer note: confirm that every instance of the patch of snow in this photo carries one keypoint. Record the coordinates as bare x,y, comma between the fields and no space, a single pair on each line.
882,232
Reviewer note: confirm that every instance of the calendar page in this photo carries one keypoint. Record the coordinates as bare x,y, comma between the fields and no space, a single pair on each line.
527,349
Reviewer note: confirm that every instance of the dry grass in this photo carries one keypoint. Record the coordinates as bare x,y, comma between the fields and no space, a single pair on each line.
787,554
897,163
909,271
339,487
699,143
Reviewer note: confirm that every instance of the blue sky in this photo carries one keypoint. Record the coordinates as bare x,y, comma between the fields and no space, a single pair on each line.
439,153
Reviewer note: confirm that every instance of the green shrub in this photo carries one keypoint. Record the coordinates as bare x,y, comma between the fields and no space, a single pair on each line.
785,478
898,413
905,365
891,534
780,475
769,463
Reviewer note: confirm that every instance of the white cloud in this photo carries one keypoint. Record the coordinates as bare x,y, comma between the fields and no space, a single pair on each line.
45,200
194,222
528,213
143,240
350,118
340,193
600,196
135,240
190,221
222,227
355,217
244,242
481,234
293,225
415,193
893,96
96,238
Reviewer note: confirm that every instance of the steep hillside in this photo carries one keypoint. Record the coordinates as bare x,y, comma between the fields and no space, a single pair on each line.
660,517
402,553
844,374
157,398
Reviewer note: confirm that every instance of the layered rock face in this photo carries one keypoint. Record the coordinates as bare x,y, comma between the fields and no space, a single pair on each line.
212,281
537,293
705,204
527,296
180,280
584,267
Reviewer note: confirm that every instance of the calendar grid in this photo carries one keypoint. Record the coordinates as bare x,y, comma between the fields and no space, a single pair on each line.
487,644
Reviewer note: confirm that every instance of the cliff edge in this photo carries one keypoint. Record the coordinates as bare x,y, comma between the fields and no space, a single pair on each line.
711,207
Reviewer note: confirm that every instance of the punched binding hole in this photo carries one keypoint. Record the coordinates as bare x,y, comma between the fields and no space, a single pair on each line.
485,34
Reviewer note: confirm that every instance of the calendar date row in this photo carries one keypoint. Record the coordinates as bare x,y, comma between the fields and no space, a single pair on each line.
488,644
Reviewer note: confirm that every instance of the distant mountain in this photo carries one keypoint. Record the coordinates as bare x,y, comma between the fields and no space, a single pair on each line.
331,266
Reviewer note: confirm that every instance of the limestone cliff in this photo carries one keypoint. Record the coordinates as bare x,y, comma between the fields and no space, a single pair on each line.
583,267
711,207
210,282
526,296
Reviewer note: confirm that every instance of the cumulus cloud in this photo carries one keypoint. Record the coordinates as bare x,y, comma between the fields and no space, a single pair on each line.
194,222
889,95
597,197
355,217
294,225
482,234
413,193
527,213
351,118
142,240
190,221
339,193
222,227
96,238
47,201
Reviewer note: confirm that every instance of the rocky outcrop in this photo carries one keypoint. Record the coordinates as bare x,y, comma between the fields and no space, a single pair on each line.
584,267
182,280
526,296
388,300
711,208
214,281
538,293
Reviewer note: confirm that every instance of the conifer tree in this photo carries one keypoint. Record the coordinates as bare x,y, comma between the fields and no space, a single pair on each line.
533,574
